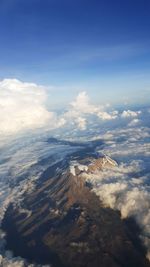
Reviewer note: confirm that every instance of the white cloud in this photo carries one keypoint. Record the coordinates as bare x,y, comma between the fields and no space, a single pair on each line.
81,107
9,261
81,123
22,106
133,142
133,122
129,113
103,115
82,104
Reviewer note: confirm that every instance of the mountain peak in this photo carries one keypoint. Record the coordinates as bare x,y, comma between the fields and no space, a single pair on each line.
91,165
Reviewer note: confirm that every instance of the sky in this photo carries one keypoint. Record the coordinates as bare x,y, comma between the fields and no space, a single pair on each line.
102,47
90,60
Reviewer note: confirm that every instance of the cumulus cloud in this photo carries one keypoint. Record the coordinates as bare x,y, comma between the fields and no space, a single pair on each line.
22,106
81,123
133,122
81,109
129,113
82,104
107,116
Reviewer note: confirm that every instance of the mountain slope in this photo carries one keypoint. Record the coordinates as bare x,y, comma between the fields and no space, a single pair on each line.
64,223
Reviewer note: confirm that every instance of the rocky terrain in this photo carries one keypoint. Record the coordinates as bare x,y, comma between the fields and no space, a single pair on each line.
63,223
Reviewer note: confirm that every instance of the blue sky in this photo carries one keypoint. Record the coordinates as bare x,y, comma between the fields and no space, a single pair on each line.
102,47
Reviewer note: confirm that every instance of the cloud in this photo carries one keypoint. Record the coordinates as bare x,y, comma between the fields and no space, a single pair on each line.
133,122
9,261
127,142
81,109
82,104
129,113
107,116
81,123
22,106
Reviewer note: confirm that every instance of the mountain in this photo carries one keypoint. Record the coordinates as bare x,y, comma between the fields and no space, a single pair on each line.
62,222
